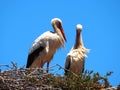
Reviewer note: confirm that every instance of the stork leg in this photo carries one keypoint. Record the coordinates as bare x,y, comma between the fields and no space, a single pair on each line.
47,67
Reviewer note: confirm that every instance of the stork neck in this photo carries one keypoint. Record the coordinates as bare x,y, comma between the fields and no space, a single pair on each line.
78,42
56,29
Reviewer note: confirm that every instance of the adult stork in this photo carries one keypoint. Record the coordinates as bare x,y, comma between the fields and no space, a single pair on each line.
45,46
75,58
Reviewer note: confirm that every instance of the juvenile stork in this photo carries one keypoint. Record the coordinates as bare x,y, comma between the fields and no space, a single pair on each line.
45,46
75,58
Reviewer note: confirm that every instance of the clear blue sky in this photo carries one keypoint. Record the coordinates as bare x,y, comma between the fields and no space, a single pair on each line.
22,21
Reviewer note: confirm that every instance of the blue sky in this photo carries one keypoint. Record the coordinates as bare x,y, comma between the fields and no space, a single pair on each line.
22,21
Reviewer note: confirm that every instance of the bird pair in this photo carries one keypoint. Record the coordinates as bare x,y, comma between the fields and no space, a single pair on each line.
45,46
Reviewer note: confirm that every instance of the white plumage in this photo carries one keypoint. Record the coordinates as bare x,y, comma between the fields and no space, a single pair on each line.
76,57
44,47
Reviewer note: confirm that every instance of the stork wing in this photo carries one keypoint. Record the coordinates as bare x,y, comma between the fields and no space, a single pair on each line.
34,52
67,64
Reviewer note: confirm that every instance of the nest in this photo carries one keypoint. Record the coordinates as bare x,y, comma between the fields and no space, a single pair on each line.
35,79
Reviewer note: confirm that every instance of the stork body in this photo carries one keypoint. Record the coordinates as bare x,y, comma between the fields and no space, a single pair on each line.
76,57
44,47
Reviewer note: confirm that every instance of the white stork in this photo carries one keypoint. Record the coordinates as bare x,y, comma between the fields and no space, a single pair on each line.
75,58
44,47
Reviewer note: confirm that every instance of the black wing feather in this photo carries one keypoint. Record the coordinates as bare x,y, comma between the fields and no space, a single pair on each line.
33,55
68,64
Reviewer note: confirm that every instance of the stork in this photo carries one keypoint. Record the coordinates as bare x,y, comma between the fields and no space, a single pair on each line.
75,58
45,46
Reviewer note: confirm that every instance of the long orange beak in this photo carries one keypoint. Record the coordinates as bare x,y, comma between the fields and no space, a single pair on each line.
62,31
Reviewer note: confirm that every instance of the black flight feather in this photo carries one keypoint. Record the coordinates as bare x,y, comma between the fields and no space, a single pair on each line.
68,64
33,55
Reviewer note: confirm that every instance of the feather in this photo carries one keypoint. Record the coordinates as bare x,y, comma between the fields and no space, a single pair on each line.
34,52
67,64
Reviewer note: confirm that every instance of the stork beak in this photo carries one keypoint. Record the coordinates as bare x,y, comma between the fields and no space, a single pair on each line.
62,31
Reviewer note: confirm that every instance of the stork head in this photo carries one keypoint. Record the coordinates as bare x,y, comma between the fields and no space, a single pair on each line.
79,28
57,25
